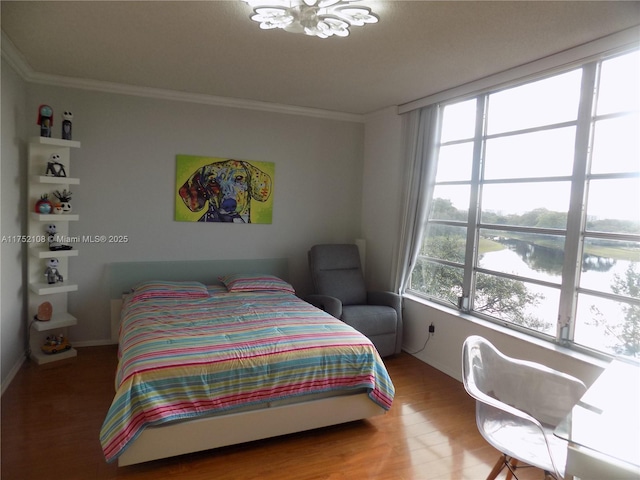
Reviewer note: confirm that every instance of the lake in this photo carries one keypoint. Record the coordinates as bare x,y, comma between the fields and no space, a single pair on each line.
545,264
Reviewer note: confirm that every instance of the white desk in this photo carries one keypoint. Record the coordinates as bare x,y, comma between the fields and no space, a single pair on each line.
603,429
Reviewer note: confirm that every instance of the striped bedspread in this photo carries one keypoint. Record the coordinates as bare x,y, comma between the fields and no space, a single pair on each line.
181,359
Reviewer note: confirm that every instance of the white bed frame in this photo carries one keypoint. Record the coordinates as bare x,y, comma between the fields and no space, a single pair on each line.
274,419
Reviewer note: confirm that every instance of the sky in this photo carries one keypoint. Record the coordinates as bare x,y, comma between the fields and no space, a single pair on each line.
539,153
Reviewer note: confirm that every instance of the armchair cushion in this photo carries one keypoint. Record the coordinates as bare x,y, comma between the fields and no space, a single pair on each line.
345,285
389,299
340,290
335,271
371,320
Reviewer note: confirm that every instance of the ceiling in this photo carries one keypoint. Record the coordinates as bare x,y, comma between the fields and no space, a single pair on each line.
212,48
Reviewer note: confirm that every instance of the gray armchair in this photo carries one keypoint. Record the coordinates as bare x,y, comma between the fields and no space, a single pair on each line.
339,289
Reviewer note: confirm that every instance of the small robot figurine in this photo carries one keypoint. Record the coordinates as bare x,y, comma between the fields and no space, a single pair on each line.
45,120
67,118
52,274
54,244
54,167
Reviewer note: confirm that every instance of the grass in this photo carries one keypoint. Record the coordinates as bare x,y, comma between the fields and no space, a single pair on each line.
486,245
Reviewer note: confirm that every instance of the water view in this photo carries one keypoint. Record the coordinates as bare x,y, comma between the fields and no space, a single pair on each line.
527,164
599,321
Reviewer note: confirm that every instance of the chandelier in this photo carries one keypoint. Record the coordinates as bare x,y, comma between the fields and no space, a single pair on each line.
320,18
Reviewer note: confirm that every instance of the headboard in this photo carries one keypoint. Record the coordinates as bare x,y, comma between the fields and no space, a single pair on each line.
122,276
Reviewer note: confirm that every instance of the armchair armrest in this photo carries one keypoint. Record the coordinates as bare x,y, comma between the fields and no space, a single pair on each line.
388,299
329,304
394,301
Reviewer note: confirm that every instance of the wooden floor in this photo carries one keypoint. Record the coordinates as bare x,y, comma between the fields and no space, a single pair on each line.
51,417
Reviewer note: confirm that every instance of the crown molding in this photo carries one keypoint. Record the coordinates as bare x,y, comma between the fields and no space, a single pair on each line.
19,63
14,58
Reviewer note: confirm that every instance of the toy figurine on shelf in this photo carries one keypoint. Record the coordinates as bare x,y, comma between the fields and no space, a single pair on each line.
51,272
67,118
54,167
45,311
55,344
64,205
54,244
45,120
44,205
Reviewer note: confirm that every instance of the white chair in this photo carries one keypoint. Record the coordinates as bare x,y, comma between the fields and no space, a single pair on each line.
518,405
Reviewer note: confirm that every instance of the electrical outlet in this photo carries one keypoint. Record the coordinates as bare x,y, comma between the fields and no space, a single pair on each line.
432,328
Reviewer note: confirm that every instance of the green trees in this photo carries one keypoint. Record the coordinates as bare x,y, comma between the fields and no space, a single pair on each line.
440,269
627,332
508,300
494,296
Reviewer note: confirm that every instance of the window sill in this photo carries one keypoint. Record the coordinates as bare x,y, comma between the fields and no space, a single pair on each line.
599,361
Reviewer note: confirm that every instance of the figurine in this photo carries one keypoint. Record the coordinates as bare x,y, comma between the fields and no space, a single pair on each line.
45,310
54,245
66,125
54,167
44,205
65,201
55,344
45,120
52,274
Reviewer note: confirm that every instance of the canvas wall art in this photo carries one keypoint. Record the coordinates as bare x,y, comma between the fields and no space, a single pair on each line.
211,189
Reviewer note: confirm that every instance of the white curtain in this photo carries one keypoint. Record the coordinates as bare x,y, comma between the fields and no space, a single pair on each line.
421,132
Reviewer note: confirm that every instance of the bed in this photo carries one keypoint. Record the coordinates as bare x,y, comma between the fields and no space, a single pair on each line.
222,352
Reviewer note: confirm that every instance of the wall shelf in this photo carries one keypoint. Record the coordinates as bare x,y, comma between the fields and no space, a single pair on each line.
44,252
55,180
41,150
58,320
52,217
49,289
42,358
54,142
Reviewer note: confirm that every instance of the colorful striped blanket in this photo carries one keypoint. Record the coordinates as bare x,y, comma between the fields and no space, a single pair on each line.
181,359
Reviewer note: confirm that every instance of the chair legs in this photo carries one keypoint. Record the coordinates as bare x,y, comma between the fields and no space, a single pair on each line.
512,464
503,462
498,467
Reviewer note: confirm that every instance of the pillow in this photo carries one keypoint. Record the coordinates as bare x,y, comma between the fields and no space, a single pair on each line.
168,289
255,282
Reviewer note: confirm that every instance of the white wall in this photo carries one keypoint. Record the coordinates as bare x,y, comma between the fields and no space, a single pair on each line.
12,172
126,165
382,195
444,350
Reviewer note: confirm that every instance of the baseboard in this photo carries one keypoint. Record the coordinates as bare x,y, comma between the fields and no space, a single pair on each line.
16,368
94,343
443,368
12,373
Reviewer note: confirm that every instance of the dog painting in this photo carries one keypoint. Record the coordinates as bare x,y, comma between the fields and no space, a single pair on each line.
223,190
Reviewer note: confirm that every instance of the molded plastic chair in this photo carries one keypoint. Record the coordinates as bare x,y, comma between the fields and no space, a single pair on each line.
339,289
518,405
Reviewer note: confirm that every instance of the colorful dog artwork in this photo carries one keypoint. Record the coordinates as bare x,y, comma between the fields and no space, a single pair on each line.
223,190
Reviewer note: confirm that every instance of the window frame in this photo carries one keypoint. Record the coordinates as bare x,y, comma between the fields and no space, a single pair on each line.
576,232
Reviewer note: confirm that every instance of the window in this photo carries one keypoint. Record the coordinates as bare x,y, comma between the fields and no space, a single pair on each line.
535,214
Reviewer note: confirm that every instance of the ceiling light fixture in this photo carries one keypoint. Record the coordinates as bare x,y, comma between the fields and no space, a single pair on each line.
320,18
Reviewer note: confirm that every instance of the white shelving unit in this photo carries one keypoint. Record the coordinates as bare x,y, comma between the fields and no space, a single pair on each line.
51,218
40,150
